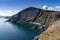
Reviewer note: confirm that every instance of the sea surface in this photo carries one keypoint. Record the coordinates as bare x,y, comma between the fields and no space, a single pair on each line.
11,31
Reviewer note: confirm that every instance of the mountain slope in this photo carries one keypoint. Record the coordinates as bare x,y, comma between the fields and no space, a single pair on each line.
36,15
52,33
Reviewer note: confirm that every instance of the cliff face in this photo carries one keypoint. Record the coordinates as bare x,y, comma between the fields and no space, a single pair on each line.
36,15
52,33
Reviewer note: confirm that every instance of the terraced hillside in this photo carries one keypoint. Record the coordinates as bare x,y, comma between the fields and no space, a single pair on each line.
52,33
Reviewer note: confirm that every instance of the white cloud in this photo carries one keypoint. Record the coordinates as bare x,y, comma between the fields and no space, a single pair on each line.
45,7
57,8
8,12
50,8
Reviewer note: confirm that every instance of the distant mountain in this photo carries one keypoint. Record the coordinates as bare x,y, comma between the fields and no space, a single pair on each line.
5,17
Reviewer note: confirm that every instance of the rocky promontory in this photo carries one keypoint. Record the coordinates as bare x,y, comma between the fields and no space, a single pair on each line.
43,18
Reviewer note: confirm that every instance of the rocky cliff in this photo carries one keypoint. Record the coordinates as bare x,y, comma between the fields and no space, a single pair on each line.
35,15
52,33
46,19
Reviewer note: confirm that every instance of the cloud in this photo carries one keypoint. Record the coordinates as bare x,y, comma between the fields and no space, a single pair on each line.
45,7
56,8
50,8
8,12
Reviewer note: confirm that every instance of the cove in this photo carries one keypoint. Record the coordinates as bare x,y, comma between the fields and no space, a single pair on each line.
10,31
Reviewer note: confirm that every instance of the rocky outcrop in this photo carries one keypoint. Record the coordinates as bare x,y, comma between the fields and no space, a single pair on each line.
52,33
36,15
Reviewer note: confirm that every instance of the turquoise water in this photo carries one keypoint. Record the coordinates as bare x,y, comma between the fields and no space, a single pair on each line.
10,31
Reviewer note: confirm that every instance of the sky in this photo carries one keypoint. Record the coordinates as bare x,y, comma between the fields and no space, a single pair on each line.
11,7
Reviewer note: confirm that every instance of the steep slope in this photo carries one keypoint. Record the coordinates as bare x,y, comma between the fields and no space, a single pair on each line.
36,15
52,33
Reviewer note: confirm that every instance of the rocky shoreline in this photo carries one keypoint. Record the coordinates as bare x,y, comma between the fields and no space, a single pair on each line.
33,15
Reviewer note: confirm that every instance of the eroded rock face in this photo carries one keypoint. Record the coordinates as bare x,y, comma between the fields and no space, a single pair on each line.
32,14
52,33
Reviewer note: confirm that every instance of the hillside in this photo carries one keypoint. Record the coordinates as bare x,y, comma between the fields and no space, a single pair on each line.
35,15
52,33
